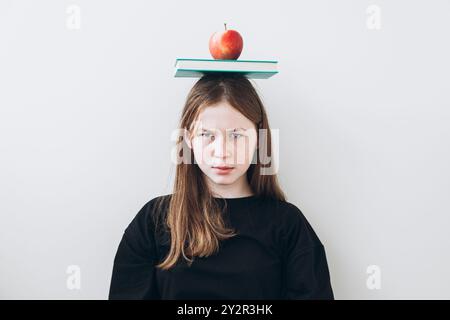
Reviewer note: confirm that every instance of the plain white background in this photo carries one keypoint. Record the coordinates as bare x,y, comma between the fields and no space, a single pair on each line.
363,114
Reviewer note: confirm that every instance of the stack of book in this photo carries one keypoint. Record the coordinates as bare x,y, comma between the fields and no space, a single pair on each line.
196,68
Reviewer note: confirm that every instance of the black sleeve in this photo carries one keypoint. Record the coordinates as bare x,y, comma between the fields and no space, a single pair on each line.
133,275
306,269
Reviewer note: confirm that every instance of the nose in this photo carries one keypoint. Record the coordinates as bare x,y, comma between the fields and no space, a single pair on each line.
220,148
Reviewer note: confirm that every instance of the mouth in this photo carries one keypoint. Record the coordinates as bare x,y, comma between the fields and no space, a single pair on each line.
222,170
223,167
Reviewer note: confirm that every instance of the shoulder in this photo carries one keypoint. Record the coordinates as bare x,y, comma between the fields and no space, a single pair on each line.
286,211
294,225
290,213
156,206
149,215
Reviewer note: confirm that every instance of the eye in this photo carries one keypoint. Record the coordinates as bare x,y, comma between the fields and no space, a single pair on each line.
236,135
206,135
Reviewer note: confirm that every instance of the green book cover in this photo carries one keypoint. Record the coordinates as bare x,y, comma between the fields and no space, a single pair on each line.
195,68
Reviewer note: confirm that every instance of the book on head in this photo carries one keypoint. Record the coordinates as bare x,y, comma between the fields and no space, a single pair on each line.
196,68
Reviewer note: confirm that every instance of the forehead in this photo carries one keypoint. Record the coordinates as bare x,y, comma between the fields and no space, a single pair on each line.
222,116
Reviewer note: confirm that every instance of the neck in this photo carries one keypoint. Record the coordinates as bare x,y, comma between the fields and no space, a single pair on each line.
240,188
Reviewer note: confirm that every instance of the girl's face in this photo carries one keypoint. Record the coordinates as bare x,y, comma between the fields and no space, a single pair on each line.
223,137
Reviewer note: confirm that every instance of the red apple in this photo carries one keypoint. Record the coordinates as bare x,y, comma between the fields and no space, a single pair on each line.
226,44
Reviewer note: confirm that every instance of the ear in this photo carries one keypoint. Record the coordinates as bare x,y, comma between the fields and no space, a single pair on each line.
187,138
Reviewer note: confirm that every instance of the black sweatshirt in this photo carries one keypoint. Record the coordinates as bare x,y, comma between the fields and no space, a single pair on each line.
276,255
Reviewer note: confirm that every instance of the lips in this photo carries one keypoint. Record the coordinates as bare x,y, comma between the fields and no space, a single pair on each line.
222,170
222,167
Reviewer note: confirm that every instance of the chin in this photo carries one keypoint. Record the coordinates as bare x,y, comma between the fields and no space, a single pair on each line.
222,179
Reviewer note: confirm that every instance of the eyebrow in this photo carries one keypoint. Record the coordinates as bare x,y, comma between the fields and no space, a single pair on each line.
234,129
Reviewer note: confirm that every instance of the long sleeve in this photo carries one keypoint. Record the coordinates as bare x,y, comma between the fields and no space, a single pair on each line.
306,269
133,275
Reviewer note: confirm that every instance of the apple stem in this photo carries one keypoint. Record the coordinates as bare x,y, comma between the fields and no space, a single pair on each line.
225,26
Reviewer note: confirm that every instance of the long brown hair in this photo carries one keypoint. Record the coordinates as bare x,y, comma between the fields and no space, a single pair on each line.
193,217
